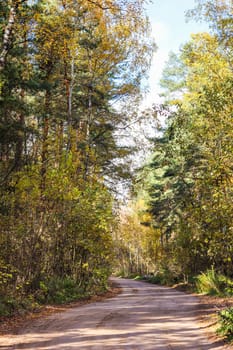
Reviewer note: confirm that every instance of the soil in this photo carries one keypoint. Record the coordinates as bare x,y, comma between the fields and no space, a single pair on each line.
143,316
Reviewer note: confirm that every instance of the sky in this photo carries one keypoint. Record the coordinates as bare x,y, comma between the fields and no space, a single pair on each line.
170,30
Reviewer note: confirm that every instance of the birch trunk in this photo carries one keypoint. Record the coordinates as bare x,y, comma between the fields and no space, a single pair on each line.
7,37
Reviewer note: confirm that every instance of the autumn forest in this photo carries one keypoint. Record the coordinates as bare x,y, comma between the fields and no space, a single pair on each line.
72,74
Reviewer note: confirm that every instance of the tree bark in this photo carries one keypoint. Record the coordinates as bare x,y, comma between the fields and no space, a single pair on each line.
7,37
44,155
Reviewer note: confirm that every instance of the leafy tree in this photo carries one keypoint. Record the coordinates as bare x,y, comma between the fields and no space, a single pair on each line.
191,189
62,65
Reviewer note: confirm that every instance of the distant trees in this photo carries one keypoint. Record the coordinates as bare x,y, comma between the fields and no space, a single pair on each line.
136,242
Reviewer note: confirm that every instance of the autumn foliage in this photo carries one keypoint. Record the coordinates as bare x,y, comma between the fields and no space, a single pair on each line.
63,63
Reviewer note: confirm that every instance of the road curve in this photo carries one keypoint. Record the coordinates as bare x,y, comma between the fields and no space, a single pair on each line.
143,317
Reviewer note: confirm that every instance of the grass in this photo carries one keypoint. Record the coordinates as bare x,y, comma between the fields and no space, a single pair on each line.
213,283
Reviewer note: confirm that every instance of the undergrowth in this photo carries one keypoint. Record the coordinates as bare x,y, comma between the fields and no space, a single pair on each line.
213,283
226,323
53,291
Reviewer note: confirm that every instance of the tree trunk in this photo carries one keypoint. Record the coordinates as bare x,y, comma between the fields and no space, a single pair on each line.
45,133
7,37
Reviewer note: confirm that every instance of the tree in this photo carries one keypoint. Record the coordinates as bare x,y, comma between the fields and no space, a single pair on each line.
218,14
63,64
191,189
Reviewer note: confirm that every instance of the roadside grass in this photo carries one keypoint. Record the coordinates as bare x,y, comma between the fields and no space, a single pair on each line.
213,283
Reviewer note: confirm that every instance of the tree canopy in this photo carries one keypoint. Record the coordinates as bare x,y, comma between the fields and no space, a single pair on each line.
63,63
188,182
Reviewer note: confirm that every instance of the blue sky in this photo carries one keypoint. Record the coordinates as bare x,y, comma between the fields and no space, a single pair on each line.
170,30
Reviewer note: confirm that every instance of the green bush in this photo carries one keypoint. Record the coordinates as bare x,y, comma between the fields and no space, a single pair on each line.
213,283
156,279
228,291
164,277
7,306
53,291
10,305
226,323
3,309
58,290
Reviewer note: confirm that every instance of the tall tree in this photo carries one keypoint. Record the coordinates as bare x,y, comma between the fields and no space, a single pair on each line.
63,64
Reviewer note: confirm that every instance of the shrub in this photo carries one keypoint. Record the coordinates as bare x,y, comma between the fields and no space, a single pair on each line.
164,277
156,279
212,283
6,307
226,323
58,290
20,305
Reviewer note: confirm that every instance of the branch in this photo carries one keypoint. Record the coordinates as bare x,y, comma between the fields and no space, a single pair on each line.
99,5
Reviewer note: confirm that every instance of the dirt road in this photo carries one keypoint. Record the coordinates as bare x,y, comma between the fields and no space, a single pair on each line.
143,317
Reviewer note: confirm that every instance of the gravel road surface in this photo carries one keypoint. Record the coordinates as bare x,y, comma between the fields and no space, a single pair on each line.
143,317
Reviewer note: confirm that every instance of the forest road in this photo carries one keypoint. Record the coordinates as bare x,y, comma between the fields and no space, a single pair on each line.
143,316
